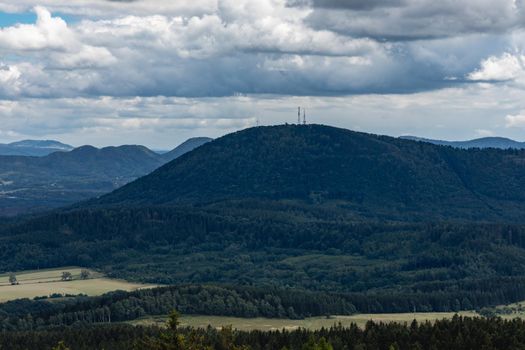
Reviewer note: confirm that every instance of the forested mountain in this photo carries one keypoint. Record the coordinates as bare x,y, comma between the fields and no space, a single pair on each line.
29,184
398,223
373,176
35,148
483,142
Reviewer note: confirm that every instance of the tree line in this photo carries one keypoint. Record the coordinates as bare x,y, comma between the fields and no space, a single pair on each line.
236,301
458,333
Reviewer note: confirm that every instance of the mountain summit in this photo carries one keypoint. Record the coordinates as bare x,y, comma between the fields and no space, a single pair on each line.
373,175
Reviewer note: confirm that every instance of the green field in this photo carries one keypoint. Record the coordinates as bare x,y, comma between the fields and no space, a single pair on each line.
266,324
40,283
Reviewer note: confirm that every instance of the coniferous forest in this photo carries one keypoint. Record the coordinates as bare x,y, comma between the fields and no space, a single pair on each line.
454,334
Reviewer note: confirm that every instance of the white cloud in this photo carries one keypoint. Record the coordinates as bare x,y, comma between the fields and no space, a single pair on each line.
51,36
504,67
86,57
9,75
10,80
210,35
48,33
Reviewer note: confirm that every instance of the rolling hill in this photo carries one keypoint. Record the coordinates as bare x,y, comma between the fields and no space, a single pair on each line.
484,142
29,184
185,147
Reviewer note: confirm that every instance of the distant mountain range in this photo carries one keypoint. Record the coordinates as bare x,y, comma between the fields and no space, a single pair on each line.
37,148
40,148
185,147
484,142
61,178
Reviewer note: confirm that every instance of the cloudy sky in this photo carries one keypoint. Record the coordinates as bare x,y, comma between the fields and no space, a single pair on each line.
156,72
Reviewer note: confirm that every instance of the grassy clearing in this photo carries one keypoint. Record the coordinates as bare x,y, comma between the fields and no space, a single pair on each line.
39,283
266,324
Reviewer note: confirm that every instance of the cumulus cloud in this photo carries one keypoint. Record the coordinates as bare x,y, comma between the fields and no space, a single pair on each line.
10,75
242,47
232,47
504,67
52,36
147,66
220,54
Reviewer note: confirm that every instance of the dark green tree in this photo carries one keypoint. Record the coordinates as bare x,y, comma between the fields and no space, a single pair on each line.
67,276
85,274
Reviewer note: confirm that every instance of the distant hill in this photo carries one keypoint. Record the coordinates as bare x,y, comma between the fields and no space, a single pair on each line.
373,175
185,147
484,142
61,178
37,148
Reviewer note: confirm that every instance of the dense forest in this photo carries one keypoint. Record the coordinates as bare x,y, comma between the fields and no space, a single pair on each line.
456,266
238,301
456,334
119,306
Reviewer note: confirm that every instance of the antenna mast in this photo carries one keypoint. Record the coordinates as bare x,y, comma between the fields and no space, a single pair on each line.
298,115
304,116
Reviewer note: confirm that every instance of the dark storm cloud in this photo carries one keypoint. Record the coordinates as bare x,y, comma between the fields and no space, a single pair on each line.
345,4
404,20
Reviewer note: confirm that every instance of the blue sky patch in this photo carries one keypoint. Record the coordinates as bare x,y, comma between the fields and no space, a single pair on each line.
10,19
